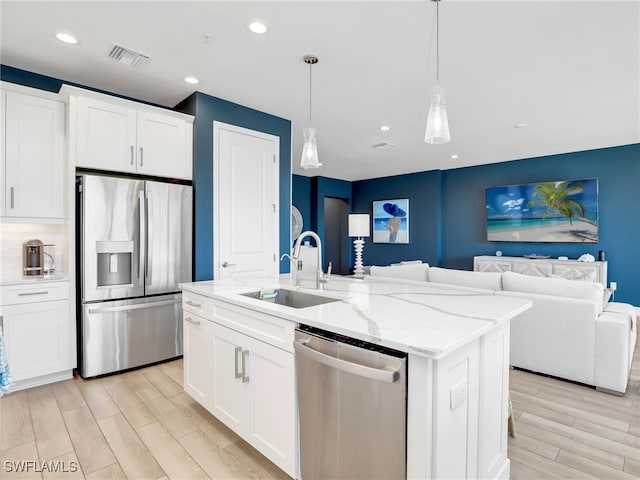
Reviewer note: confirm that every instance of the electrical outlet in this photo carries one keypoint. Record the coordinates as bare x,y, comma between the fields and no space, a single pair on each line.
613,286
458,394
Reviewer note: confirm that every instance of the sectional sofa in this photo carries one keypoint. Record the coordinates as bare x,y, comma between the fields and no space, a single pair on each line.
572,331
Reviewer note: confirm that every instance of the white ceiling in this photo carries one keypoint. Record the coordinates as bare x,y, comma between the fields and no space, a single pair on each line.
568,69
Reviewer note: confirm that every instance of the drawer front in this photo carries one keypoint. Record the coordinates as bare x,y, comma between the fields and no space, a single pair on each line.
34,292
492,266
272,330
198,304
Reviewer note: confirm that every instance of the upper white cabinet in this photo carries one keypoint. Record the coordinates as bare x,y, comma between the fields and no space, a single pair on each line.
32,187
118,135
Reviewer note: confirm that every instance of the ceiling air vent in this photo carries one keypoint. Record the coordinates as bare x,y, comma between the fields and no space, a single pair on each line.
128,57
383,145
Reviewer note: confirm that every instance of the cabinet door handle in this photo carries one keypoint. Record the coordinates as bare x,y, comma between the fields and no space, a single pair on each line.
140,156
131,154
193,304
192,321
26,294
238,373
245,377
12,196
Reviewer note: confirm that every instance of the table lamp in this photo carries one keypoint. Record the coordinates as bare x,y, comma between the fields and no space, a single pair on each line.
359,227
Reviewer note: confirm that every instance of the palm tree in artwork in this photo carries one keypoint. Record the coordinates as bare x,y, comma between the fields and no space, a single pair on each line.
556,196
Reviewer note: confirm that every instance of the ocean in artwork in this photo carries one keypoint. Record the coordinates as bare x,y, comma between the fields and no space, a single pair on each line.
563,211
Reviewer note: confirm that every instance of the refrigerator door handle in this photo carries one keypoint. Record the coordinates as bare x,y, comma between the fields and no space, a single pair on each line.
138,306
149,239
143,235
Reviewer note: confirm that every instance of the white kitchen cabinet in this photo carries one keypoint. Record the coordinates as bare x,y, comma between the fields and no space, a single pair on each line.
32,157
125,136
240,366
254,393
37,332
198,357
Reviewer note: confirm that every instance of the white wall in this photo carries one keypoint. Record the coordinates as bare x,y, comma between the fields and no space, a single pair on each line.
14,235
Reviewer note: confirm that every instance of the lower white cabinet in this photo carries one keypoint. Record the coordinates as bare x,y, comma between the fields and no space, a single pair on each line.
37,333
243,379
198,356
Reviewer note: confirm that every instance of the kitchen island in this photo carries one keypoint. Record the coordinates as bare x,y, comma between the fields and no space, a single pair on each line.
457,344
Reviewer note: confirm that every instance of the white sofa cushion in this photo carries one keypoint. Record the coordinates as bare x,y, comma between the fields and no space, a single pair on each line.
406,272
556,336
517,282
464,278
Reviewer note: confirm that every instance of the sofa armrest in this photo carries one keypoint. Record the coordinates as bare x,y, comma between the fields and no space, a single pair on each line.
556,336
615,343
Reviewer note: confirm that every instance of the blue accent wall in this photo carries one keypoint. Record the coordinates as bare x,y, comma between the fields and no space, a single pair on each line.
423,191
206,109
618,172
51,84
29,79
447,212
301,198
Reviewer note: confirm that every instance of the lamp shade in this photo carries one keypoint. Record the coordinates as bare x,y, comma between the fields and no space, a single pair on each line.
309,150
359,225
437,123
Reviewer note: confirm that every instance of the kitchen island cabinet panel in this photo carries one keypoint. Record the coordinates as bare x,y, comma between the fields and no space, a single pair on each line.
198,357
245,382
230,392
457,347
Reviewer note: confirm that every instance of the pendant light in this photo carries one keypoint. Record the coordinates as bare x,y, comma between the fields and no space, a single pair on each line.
437,123
309,149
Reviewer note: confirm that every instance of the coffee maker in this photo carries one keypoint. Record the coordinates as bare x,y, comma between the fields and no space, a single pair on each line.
33,260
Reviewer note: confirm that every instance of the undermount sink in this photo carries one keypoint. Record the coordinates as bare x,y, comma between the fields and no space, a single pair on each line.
292,298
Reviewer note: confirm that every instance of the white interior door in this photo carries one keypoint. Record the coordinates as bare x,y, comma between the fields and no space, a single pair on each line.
246,218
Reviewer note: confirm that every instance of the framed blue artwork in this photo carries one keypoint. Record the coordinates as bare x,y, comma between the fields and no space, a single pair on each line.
563,211
391,221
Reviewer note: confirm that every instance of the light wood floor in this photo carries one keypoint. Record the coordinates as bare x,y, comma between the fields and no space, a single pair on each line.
141,425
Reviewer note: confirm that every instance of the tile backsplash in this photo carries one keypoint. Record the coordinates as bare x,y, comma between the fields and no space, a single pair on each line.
12,236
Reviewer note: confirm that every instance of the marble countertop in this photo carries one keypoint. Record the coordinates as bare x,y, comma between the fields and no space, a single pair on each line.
414,317
25,280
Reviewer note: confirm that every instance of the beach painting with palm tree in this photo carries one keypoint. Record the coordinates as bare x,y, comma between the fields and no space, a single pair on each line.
562,211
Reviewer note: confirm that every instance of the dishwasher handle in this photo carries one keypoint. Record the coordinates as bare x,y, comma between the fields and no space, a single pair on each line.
389,376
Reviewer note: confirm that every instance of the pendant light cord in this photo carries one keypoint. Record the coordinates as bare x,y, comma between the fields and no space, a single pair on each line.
437,41
310,89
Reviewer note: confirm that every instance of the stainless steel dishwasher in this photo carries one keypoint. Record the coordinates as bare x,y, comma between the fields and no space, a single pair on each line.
351,407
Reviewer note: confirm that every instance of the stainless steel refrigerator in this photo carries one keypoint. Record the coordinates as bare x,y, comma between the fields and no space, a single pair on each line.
134,249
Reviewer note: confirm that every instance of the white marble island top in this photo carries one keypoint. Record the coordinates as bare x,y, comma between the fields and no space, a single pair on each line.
414,317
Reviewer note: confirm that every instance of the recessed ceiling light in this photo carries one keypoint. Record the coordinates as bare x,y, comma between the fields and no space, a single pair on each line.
521,125
384,128
66,38
258,27
191,80
453,156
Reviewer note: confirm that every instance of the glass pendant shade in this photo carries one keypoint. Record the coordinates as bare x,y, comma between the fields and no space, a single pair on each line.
309,150
437,122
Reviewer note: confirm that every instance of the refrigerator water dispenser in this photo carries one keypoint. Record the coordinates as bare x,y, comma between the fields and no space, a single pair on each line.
114,263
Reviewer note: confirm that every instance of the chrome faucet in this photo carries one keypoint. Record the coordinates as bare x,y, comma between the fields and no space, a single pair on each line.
297,263
320,278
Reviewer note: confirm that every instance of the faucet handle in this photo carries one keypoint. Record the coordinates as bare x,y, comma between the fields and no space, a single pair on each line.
329,268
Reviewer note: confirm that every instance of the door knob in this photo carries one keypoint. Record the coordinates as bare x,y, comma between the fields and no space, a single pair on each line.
227,264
